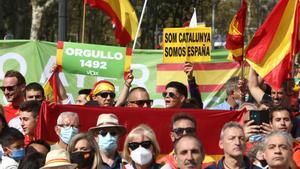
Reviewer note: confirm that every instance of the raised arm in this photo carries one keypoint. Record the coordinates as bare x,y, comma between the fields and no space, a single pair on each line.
254,88
123,95
62,94
193,87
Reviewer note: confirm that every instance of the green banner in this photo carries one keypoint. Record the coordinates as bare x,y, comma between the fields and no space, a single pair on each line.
93,60
35,58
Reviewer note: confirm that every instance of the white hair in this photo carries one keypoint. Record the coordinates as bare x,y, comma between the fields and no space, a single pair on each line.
64,115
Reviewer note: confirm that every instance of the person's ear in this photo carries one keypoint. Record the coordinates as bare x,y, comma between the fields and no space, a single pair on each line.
221,144
57,130
6,151
172,135
182,99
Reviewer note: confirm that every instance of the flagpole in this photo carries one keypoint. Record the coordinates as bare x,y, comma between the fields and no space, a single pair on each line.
83,21
139,26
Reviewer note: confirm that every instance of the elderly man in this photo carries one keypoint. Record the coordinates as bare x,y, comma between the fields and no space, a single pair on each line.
13,89
107,133
139,97
277,150
232,141
189,152
66,127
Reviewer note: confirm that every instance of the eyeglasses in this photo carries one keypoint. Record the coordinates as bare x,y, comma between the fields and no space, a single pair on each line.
9,88
169,94
135,145
105,94
142,102
68,125
188,130
104,133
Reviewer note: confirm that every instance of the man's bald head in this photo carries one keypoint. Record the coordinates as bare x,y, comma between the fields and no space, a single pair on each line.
138,97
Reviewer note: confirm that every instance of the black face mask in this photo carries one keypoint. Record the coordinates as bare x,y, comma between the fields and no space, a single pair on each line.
83,162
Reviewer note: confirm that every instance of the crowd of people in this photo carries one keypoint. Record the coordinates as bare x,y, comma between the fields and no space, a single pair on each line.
273,144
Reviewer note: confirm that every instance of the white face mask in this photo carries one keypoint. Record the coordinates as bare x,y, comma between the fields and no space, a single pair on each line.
141,155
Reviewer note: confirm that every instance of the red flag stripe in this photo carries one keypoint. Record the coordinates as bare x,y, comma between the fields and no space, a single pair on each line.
202,88
296,38
122,35
278,75
237,41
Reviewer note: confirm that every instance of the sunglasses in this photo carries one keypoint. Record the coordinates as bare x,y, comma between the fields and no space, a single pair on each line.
142,102
9,88
135,145
106,94
104,133
188,130
169,94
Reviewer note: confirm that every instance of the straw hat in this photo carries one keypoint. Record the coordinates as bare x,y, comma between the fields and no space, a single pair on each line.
58,158
108,121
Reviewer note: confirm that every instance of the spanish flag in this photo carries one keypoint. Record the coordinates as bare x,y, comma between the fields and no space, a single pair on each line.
235,37
210,77
50,89
274,45
123,17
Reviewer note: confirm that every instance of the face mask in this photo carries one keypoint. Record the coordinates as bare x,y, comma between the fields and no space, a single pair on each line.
238,102
141,155
1,154
80,159
107,143
255,138
66,133
17,154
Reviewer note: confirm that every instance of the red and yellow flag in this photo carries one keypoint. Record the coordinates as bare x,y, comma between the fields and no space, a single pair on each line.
275,43
50,89
235,37
123,17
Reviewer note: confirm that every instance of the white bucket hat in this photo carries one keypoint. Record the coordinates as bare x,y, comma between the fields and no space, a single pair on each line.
58,158
106,121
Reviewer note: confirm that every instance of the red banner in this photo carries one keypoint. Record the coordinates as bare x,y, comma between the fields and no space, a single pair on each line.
209,122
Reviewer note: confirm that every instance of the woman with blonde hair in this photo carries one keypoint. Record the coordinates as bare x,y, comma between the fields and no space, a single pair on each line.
141,148
84,151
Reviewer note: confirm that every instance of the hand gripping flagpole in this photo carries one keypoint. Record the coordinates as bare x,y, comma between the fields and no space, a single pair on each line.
139,26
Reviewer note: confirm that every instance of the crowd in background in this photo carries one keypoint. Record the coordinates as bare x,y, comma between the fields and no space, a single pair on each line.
273,143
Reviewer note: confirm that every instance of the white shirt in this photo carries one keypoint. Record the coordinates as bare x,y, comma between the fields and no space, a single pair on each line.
8,163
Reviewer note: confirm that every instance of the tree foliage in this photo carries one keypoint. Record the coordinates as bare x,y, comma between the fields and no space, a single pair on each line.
16,19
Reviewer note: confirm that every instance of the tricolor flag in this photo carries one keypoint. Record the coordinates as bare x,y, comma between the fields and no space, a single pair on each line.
235,37
271,51
210,77
50,89
123,17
